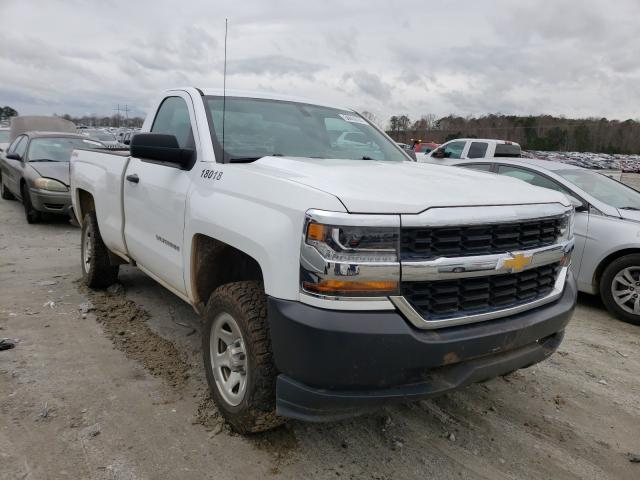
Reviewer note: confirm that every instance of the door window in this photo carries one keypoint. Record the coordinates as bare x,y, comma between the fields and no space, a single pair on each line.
14,144
173,119
454,149
21,147
477,150
483,167
531,177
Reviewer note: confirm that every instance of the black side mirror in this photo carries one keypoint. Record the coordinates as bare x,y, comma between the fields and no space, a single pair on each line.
161,148
13,156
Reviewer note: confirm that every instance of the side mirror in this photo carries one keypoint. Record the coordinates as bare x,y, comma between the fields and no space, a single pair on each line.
577,204
13,156
161,148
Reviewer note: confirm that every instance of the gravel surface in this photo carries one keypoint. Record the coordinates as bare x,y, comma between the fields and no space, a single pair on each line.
110,385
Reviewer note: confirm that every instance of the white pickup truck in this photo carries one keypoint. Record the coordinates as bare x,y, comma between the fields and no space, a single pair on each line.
470,148
331,276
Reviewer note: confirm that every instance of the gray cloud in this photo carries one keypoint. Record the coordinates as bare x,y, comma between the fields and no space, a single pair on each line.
278,65
369,84
571,57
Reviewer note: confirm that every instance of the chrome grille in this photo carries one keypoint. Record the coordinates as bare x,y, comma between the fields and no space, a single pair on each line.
423,243
436,300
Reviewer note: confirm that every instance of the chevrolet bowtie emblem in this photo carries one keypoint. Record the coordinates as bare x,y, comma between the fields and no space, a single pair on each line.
517,262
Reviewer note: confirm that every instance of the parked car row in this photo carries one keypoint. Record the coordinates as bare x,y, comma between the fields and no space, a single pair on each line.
597,161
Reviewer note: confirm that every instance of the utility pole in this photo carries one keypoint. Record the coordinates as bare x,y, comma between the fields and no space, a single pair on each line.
126,115
117,109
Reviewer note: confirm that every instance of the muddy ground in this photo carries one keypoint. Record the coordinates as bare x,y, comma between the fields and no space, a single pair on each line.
110,385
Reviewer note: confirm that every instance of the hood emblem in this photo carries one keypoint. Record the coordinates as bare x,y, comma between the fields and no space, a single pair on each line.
518,262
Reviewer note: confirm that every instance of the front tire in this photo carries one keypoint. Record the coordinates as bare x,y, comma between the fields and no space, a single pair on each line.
620,288
97,271
4,191
31,214
236,346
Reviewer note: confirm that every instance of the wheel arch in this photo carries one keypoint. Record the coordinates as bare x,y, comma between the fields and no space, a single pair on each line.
85,203
215,263
606,261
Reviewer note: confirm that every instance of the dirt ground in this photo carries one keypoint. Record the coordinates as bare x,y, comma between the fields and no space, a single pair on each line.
110,385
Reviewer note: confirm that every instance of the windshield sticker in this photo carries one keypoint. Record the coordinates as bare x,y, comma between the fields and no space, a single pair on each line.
352,118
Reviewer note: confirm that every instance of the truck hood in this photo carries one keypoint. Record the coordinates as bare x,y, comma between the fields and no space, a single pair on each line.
56,170
366,186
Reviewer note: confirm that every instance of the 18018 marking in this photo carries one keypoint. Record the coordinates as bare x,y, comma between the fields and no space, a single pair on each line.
211,174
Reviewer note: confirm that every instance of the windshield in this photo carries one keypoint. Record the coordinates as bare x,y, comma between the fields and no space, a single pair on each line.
603,188
254,128
105,136
4,136
57,149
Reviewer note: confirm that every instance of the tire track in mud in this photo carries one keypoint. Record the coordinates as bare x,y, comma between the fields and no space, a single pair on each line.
125,324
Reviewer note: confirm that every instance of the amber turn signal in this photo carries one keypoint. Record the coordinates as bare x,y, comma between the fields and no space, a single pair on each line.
315,231
339,287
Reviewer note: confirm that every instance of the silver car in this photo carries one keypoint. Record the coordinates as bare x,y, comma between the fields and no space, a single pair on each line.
606,259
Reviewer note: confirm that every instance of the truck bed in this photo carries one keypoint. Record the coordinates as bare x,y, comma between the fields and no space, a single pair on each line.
100,173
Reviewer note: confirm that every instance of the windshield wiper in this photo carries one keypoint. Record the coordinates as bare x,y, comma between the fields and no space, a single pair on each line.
244,159
629,208
44,160
366,158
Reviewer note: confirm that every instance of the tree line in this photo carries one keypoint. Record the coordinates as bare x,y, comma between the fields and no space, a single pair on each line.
542,132
116,120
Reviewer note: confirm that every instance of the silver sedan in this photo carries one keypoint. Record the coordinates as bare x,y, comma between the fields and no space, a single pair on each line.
606,260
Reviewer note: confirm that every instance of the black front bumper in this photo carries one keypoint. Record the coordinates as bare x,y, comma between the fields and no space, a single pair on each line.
51,202
335,364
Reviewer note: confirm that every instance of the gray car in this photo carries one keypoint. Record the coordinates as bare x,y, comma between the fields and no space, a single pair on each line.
606,259
35,169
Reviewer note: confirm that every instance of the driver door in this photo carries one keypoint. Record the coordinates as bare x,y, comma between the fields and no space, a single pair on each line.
155,196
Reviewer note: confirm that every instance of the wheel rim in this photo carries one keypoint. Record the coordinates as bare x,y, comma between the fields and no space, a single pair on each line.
625,289
228,359
87,250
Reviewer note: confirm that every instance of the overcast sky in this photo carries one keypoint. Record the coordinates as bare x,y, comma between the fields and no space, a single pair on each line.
468,57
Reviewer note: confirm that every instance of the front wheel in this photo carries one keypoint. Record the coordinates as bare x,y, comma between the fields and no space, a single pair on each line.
620,288
31,214
97,271
237,354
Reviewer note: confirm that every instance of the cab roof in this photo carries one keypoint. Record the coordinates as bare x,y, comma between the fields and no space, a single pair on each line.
264,95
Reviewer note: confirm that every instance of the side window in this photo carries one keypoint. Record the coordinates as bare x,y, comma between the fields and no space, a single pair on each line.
21,146
531,177
173,119
477,150
14,144
483,167
454,149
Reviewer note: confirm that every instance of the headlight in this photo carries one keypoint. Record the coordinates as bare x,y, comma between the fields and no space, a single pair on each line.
50,184
566,227
350,260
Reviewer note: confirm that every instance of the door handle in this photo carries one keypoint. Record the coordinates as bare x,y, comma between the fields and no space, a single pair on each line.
133,178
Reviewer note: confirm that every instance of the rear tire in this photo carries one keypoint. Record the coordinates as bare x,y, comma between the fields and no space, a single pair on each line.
619,283
97,271
4,191
30,213
236,346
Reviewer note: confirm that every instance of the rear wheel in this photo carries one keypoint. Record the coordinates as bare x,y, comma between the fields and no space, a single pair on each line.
97,271
31,214
4,191
620,288
238,361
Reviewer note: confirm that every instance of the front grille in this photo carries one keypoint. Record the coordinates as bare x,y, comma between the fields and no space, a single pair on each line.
423,243
468,296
